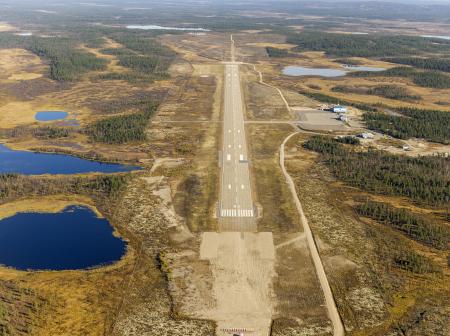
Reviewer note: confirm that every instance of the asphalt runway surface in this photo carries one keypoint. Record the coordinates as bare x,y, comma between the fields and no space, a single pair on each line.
236,210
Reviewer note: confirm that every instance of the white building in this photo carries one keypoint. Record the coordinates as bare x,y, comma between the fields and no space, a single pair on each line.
339,109
406,148
366,135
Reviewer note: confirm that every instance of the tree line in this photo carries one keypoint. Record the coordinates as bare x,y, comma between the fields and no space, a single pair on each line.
432,125
431,79
14,186
388,91
67,63
440,64
277,52
417,228
146,58
422,179
122,128
371,45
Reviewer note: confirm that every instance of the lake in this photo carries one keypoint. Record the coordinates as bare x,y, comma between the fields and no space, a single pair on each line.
72,239
32,163
362,68
156,27
444,37
323,72
50,115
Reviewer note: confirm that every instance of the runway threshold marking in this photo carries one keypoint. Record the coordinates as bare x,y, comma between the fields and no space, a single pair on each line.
236,213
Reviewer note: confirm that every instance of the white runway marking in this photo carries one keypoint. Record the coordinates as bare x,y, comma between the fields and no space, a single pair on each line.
235,201
236,212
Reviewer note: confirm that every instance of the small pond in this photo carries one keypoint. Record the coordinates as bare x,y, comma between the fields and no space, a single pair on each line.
32,163
72,239
444,37
156,27
50,115
362,68
301,71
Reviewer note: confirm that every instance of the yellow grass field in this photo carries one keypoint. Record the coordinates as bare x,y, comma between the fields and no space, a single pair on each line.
48,204
4,27
19,64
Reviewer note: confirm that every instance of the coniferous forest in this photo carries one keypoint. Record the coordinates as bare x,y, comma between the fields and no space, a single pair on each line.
427,124
122,128
423,179
422,230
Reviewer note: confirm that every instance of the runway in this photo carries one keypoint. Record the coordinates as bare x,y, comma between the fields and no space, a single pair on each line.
236,210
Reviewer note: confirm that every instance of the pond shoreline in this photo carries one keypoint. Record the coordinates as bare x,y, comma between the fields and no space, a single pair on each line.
71,238
102,164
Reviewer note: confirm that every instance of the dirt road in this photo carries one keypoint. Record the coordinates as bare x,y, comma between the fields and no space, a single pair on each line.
333,314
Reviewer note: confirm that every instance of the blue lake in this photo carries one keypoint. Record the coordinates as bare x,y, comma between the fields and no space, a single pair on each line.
443,37
302,71
362,68
72,239
50,115
31,163
156,27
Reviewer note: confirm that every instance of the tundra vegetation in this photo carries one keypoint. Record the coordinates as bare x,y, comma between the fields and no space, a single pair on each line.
411,240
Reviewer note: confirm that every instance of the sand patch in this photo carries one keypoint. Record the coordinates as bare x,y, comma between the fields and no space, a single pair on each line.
230,282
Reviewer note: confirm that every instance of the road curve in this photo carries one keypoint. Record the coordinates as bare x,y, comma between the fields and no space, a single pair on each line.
333,314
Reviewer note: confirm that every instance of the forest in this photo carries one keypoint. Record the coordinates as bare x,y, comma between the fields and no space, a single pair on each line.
432,79
440,64
277,52
373,45
388,91
67,63
413,262
146,58
423,179
422,230
416,123
13,186
122,128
